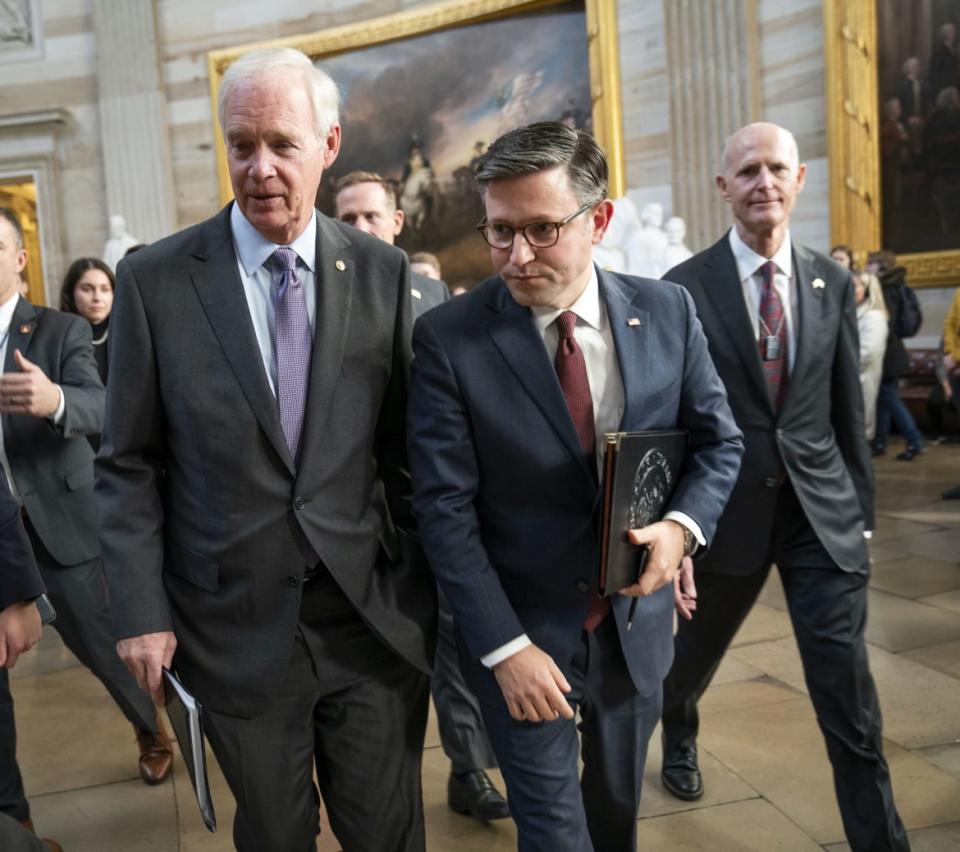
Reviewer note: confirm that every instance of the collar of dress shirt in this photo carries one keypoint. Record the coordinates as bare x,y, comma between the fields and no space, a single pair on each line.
587,307
748,261
6,313
253,248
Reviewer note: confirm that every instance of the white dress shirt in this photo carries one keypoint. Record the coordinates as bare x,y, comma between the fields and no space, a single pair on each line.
6,318
595,338
748,268
253,250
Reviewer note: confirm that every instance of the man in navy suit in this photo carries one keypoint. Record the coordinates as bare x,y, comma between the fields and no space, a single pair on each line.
513,387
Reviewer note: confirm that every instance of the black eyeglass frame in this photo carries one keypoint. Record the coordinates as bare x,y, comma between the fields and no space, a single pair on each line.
483,224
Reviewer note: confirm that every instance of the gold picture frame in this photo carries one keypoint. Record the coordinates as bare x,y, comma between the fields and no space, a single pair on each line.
853,142
602,41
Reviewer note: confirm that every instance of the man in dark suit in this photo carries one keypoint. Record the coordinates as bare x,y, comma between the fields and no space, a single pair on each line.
20,585
366,201
51,398
782,328
253,488
513,384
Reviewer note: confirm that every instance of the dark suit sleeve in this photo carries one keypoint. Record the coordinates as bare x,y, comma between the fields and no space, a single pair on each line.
846,411
19,577
83,392
446,481
715,441
129,469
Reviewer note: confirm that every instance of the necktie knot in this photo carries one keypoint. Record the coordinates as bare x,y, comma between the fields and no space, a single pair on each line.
566,322
767,271
286,259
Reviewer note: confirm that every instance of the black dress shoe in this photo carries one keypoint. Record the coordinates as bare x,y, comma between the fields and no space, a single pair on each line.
877,450
680,775
473,793
952,493
909,454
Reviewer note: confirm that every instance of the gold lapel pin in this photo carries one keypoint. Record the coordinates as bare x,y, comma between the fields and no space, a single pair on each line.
633,321
818,284
24,329
340,265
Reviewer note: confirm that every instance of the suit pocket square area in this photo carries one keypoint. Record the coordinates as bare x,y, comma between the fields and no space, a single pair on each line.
192,567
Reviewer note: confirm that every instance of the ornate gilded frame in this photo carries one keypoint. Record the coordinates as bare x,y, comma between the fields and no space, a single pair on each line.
853,141
602,40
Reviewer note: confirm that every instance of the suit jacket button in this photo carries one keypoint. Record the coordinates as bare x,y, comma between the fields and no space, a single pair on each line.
583,586
299,503
292,580
770,482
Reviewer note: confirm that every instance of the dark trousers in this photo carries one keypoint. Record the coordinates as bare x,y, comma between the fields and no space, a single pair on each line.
889,405
79,595
462,734
828,609
553,809
349,708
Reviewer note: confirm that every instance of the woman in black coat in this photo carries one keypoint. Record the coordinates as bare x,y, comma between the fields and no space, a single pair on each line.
88,291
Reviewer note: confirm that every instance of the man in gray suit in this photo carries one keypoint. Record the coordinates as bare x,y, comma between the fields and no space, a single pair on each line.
782,327
253,488
51,398
366,201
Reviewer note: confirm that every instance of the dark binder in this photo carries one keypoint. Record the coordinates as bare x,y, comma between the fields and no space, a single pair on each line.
186,718
640,473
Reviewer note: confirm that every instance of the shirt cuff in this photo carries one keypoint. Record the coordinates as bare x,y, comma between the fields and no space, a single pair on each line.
61,408
498,655
685,520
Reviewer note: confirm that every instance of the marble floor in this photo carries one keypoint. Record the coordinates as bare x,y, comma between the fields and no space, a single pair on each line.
767,779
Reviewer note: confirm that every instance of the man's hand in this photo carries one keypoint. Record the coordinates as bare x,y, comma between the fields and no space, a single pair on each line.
28,392
145,656
684,590
20,630
665,541
533,686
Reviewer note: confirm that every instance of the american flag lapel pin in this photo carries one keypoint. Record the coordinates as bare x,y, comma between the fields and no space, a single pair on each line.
818,284
633,321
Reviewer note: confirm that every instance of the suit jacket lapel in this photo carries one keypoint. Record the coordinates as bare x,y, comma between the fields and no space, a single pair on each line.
22,326
218,285
721,283
631,340
334,288
514,334
810,308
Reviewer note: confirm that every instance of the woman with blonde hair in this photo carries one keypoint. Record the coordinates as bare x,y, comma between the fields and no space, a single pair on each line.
872,323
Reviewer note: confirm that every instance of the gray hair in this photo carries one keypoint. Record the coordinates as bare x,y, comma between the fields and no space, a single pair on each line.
322,91
543,146
14,220
728,142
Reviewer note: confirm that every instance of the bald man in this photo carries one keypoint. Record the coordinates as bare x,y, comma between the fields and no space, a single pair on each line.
781,324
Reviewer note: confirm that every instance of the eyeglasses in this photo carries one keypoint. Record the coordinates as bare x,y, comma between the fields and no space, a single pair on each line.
537,234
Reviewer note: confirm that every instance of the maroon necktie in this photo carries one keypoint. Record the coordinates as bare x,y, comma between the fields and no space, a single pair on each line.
571,370
773,336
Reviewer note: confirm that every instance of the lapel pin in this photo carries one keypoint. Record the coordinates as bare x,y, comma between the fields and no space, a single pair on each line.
340,265
24,329
416,293
633,321
818,284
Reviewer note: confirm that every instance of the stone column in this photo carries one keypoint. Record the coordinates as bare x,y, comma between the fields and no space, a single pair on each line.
133,120
712,78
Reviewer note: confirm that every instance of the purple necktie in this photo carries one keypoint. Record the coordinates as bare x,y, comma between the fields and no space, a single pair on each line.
773,336
294,345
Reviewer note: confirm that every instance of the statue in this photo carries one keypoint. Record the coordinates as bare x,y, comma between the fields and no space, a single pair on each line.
646,257
676,251
116,247
613,251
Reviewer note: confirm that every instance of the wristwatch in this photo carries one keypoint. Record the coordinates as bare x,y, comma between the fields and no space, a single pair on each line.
690,543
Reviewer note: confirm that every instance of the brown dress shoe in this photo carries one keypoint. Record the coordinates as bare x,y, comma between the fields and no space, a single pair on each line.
52,845
156,759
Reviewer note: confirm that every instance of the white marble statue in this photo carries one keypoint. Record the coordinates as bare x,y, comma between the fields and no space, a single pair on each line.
648,246
116,247
613,252
676,250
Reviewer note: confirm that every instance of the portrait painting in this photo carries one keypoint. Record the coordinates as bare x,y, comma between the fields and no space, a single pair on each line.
918,59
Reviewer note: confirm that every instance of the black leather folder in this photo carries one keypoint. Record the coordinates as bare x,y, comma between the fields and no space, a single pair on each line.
640,473
186,718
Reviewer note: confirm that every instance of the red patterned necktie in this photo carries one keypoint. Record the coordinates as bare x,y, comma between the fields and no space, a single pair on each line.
773,336
571,370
